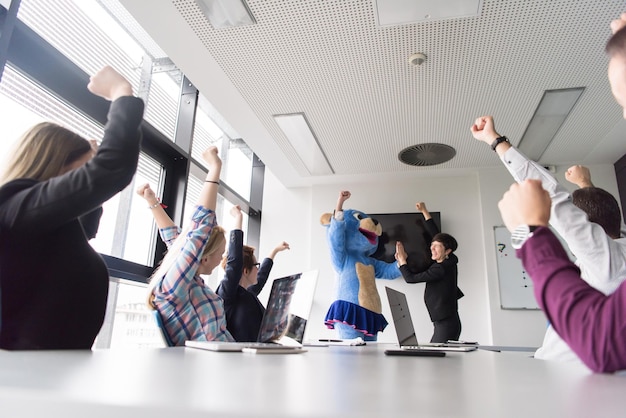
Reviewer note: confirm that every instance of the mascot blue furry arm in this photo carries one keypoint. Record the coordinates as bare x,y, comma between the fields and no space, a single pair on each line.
353,237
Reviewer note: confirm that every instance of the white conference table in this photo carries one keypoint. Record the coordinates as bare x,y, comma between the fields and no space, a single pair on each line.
323,382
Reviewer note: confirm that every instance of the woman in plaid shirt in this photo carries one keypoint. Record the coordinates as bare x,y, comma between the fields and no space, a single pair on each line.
190,310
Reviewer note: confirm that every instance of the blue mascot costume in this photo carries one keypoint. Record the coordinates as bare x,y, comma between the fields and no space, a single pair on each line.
353,238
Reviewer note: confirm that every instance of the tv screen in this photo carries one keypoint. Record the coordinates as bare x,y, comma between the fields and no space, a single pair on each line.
409,229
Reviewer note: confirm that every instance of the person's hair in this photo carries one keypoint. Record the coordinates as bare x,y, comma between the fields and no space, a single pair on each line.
215,239
43,151
601,208
616,44
213,244
248,258
448,241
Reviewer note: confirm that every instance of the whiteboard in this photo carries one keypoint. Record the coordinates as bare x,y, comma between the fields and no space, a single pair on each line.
516,287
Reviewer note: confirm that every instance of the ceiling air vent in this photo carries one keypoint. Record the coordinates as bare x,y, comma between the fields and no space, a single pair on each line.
426,154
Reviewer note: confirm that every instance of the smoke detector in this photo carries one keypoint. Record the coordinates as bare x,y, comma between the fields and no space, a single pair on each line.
417,59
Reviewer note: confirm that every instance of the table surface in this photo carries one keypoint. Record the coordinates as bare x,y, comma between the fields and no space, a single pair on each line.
324,381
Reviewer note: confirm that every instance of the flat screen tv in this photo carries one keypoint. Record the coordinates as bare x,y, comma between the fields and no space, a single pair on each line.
409,229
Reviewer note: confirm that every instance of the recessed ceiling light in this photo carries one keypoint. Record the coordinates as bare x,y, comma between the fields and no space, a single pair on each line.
226,13
550,115
298,131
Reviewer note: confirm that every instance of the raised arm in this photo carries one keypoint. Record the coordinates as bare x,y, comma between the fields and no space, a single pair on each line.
343,196
109,84
484,130
431,227
79,190
161,217
579,175
597,253
421,206
208,194
265,269
183,258
237,216
591,323
336,230
233,269
280,247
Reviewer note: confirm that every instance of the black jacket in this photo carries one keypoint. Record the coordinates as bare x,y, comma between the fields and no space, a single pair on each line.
54,285
442,293
244,311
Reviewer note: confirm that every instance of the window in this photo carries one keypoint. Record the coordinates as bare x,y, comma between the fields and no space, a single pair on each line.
130,324
29,104
235,154
71,31
91,37
126,228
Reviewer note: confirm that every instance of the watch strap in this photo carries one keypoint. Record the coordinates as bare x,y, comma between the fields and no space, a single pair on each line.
498,140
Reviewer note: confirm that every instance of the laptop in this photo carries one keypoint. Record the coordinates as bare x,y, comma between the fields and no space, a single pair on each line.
285,319
404,326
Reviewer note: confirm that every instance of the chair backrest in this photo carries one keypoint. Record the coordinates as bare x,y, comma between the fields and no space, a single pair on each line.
166,338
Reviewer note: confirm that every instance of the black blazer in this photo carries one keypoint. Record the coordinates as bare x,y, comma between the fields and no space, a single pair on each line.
54,285
441,293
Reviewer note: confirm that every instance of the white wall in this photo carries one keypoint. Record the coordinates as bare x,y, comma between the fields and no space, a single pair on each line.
468,206
293,215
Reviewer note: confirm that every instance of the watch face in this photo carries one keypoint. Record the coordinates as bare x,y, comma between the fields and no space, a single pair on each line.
519,236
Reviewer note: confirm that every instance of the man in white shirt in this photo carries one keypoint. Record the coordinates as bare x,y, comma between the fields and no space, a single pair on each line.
600,257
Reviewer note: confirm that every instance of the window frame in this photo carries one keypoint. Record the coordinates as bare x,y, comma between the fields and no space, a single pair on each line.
36,59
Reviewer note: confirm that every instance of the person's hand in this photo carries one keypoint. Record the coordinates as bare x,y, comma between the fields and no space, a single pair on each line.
525,203
211,158
579,175
109,84
400,254
618,23
147,193
235,212
281,247
421,206
484,130
344,195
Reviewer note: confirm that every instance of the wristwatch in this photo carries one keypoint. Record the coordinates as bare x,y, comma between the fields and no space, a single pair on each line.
499,140
521,234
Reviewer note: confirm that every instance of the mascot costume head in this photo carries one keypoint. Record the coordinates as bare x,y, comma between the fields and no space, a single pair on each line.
353,237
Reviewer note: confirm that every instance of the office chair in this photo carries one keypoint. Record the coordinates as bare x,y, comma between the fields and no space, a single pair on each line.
159,322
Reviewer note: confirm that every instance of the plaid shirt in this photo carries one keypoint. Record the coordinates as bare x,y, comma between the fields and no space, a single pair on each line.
189,308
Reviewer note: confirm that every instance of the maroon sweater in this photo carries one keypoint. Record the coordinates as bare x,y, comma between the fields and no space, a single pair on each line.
594,325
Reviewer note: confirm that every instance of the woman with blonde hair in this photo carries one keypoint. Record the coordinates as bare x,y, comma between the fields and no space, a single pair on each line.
188,308
54,285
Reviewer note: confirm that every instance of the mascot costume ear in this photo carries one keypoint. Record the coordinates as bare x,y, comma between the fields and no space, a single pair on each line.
352,238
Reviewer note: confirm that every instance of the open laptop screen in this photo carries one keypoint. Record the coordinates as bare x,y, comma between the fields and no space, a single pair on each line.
401,317
276,319
301,303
